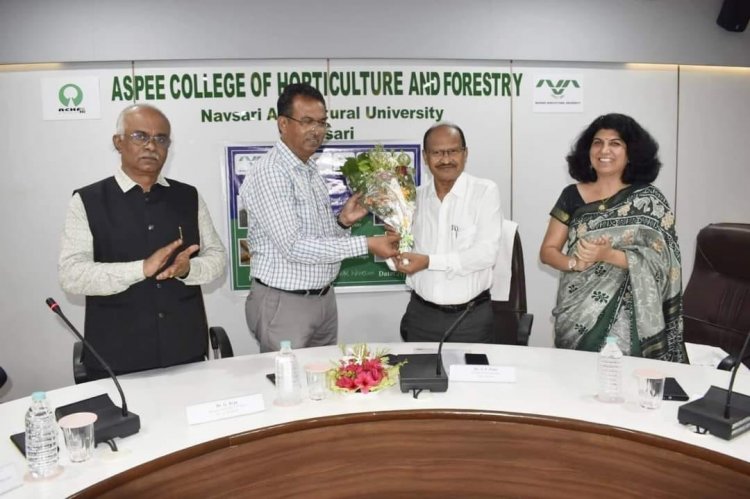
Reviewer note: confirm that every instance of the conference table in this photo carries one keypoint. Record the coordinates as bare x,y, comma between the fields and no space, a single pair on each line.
542,435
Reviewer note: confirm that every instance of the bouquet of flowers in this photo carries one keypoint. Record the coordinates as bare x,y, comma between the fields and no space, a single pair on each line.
386,181
359,370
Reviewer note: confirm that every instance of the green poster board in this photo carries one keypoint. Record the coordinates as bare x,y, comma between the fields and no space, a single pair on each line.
363,273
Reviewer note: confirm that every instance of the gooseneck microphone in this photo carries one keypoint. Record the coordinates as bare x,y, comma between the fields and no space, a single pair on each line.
446,335
52,304
720,412
737,365
112,421
425,371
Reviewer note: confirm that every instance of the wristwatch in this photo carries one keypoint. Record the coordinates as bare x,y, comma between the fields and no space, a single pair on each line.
572,263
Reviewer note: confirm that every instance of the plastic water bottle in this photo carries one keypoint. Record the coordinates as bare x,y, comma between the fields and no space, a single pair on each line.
41,437
610,372
288,386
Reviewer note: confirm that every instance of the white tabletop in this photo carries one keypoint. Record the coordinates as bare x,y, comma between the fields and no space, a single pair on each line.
550,382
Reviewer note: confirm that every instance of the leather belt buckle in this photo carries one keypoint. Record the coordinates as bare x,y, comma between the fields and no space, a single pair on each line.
315,292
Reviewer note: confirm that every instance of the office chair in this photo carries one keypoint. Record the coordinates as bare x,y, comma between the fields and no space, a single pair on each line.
220,343
221,347
512,321
716,301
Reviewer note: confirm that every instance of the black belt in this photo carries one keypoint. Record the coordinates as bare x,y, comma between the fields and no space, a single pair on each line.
303,292
481,297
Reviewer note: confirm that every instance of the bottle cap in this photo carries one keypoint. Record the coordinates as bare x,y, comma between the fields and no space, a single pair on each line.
37,396
286,344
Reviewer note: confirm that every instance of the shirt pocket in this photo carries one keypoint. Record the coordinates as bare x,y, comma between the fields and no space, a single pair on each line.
465,237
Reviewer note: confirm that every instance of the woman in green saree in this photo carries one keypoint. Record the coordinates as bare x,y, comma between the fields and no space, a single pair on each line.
621,272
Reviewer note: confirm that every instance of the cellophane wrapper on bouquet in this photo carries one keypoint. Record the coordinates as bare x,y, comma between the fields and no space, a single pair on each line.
386,181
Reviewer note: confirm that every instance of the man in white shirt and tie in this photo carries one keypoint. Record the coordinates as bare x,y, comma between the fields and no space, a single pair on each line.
457,229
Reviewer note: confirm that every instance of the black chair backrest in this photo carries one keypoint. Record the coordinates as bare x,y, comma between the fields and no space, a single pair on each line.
219,340
512,322
717,298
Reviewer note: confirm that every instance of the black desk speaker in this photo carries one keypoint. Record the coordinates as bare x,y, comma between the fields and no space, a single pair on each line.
734,15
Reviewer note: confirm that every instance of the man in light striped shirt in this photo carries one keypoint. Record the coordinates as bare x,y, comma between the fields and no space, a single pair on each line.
297,244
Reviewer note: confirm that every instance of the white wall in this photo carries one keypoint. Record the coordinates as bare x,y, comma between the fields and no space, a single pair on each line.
699,116
714,166
655,31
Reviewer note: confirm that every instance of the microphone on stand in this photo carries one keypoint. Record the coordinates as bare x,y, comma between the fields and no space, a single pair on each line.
111,420
720,412
425,371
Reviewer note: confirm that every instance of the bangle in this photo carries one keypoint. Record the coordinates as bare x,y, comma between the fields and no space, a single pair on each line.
345,227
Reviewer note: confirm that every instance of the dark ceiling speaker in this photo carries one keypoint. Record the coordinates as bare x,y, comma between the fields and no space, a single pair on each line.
734,15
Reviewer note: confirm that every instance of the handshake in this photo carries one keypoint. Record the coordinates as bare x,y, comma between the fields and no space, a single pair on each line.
387,246
401,261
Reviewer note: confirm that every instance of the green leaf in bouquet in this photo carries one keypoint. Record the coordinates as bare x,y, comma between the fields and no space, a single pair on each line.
355,170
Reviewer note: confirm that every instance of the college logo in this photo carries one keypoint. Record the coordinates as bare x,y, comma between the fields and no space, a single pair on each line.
558,88
70,96
558,93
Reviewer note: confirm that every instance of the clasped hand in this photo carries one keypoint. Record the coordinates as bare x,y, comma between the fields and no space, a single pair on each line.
589,252
180,266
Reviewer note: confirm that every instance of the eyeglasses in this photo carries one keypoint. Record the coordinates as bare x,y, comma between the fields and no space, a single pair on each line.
451,153
310,123
142,138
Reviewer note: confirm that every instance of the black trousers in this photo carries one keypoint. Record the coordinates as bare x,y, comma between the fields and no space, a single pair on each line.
423,322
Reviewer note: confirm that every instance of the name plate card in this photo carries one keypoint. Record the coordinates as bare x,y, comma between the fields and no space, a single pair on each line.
10,477
224,409
482,374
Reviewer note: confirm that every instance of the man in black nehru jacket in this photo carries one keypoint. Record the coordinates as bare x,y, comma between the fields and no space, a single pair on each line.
139,246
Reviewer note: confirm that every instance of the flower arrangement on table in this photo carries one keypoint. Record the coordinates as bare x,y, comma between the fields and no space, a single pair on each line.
362,371
386,181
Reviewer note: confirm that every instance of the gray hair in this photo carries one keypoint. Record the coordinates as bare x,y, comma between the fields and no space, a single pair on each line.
120,124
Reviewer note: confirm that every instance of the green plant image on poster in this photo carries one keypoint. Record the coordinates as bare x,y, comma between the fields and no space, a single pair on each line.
363,273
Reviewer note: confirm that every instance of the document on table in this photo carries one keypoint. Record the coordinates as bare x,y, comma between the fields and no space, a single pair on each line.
482,374
223,409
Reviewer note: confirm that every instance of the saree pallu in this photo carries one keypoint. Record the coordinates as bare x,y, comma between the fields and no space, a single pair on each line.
640,305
